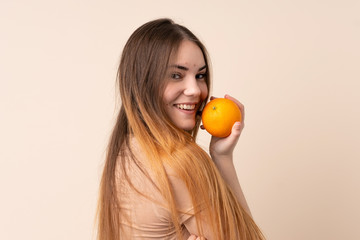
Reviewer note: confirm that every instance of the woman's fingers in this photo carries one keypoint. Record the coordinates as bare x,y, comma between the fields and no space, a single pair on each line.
227,96
194,237
240,105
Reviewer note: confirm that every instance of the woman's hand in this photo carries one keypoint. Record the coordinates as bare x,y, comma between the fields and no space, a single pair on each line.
194,237
224,147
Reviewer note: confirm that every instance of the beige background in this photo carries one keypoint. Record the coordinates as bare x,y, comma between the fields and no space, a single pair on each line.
294,65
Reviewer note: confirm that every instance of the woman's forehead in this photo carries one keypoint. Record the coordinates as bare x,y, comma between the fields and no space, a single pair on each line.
188,55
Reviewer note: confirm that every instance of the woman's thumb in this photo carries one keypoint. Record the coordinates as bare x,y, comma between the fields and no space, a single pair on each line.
236,130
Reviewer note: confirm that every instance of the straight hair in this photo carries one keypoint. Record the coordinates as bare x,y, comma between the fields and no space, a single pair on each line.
142,79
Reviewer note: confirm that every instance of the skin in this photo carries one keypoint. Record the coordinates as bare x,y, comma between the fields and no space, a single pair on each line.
194,237
187,86
221,151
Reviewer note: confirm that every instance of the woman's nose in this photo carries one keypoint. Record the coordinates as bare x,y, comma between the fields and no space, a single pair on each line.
192,87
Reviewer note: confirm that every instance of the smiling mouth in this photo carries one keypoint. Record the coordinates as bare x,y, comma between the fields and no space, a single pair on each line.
188,107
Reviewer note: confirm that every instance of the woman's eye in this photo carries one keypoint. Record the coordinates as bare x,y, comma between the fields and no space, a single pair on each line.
175,76
200,76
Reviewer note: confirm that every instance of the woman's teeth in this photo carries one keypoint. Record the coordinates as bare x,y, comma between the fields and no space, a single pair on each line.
185,106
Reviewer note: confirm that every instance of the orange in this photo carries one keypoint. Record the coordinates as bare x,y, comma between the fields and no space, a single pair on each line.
219,116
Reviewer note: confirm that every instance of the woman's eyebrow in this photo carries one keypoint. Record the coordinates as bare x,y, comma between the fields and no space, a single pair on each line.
203,67
185,68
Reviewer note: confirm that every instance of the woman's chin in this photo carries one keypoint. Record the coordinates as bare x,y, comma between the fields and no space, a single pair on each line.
188,126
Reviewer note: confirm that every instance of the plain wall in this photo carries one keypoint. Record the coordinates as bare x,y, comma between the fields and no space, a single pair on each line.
293,64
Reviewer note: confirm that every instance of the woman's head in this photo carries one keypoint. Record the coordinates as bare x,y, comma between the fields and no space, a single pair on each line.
163,68
186,87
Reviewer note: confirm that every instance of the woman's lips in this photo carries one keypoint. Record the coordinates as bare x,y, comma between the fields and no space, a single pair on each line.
188,108
185,106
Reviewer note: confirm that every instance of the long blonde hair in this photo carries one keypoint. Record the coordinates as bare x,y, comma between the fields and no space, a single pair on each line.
141,78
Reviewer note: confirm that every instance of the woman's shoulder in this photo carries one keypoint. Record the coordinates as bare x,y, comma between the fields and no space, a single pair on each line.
133,165
139,196
133,169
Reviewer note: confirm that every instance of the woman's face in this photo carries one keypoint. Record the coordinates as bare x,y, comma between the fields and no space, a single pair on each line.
186,85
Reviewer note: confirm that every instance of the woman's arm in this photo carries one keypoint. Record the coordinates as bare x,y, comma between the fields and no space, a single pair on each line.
228,172
184,203
221,151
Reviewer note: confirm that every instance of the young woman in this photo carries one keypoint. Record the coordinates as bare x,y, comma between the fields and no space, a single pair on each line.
157,182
